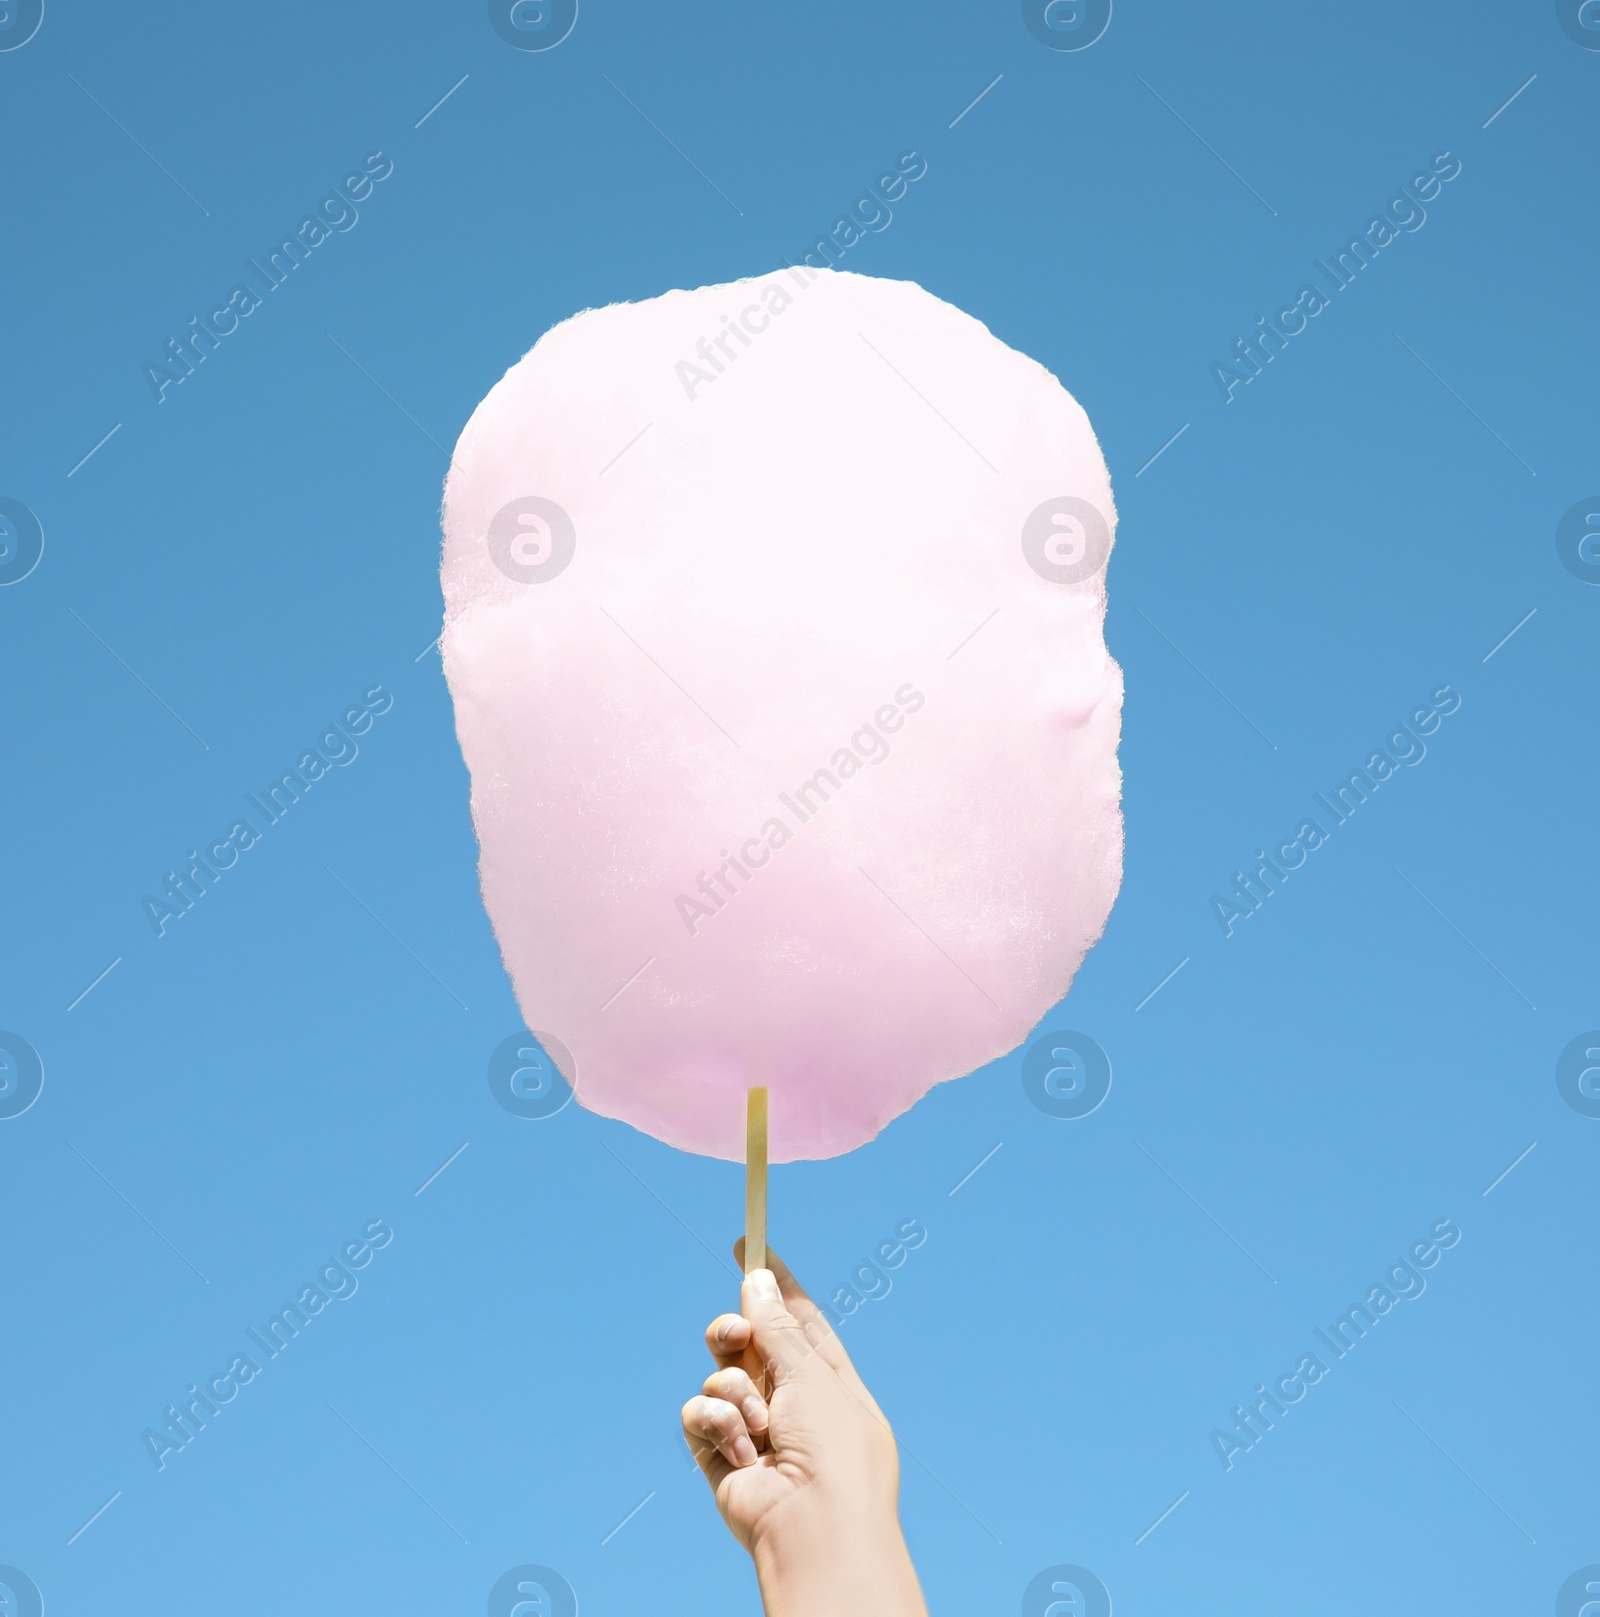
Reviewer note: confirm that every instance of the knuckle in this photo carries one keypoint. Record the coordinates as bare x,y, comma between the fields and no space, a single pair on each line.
725,1330
713,1416
731,1384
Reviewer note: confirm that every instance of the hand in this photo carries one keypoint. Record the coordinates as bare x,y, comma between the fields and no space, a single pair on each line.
801,1460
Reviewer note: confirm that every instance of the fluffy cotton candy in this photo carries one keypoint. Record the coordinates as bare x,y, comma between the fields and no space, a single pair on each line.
774,627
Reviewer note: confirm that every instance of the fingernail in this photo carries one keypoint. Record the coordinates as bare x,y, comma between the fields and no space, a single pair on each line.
755,1413
764,1285
744,1451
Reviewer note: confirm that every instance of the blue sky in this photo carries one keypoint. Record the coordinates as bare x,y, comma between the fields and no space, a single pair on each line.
230,568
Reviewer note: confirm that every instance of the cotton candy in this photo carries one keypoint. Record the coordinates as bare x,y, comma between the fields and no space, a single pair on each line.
773,622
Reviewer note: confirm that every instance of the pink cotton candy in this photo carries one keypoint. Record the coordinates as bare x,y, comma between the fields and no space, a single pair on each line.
774,627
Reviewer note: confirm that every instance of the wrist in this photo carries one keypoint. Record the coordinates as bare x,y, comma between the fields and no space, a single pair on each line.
844,1560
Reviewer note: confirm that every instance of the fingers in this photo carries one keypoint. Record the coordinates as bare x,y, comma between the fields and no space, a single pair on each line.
791,1288
734,1386
776,1335
719,1424
727,1336
818,1329
731,1341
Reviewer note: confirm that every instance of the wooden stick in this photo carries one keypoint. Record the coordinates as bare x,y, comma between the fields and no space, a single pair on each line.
755,1181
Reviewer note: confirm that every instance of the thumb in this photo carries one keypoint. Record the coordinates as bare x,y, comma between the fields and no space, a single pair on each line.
776,1334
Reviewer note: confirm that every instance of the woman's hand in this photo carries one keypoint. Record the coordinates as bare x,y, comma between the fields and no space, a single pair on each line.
801,1460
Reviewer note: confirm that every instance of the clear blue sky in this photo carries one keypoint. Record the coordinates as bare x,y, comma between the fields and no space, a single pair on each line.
1305,565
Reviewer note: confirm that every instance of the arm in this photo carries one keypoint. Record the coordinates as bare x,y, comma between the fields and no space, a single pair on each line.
807,1478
